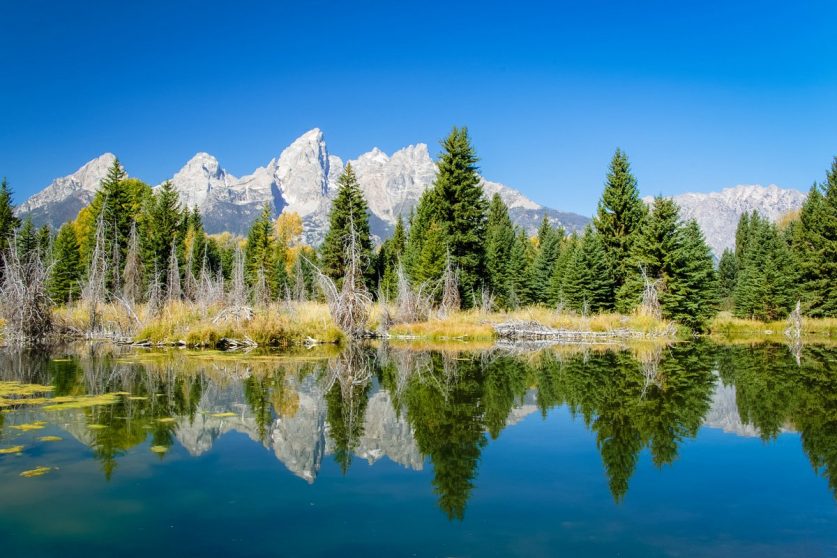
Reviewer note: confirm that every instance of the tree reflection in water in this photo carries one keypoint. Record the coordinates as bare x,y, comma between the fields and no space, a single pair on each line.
453,402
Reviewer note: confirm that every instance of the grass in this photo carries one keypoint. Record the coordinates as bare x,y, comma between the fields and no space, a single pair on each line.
476,325
726,327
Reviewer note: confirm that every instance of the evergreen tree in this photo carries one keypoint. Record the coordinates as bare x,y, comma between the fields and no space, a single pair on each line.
692,295
499,245
265,256
164,229
389,257
549,248
654,253
8,220
556,295
349,212
44,239
457,205
619,216
430,263
67,272
27,240
588,285
727,277
815,242
766,287
520,262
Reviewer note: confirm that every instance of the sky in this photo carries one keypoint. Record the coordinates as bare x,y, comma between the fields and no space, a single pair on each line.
702,95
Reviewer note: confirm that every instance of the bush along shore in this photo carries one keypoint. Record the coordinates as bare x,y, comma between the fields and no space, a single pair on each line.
135,265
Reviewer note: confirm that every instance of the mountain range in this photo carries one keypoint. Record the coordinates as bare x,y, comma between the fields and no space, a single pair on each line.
303,179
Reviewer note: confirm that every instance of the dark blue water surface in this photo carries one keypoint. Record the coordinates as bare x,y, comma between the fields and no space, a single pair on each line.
689,450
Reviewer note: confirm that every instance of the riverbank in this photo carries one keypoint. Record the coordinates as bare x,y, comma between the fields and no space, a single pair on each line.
296,324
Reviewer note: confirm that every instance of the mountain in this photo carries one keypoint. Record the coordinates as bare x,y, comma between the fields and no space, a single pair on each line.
64,197
718,213
303,179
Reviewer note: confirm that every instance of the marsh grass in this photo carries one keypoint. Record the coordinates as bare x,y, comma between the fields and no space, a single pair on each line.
726,327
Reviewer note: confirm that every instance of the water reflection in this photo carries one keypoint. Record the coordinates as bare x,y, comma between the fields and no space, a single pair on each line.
441,407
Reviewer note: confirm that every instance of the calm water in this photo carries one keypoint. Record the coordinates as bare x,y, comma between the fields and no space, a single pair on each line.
692,450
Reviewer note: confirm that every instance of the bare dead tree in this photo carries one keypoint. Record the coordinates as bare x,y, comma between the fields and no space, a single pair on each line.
486,301
450,289
411,305
350,305
24,301
236,308
300,293
650,303
173,290
94,292
261,292
190,282
155,293
116,265
132,277
794,332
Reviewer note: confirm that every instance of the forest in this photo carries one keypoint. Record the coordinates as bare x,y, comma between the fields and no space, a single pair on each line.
135,257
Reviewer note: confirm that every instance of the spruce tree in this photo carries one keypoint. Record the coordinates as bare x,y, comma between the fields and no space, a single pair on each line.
653,253
727,277
499,244
557,297
8,220
691,298
520,262
815,243
619,216
164,229
457,205
349,214
389,257
27,240
766,286
549,248
588,285
67,271
261,255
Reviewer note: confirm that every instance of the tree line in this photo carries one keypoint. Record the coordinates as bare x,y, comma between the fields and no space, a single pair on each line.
456,247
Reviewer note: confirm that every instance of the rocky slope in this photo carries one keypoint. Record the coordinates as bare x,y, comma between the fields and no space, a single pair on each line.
303,178
718,213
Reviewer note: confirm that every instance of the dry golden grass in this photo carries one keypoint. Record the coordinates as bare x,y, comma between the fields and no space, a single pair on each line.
476,325
728,328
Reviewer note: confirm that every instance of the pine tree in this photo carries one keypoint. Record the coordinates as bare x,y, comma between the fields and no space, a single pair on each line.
431,261
67,271
766,287
557,297
456,204
653,254
499,244
349,212
692,295
27,240
588,285
163,230
44,240
8,220
619,216
815,242
727,277
389,258
549,248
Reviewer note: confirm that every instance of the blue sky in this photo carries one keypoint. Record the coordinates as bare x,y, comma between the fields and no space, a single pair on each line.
701,94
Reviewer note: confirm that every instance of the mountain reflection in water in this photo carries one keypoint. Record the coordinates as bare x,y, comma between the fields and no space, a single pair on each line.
441,408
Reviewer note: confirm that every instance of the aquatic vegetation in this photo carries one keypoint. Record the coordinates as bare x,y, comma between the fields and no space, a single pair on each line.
16,393
50,439
166,420
97,426
36,472
38,425
82,401
224,415
159,449
10,450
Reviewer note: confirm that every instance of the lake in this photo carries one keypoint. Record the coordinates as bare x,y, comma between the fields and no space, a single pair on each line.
693,449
